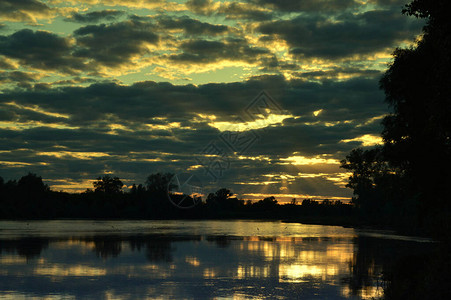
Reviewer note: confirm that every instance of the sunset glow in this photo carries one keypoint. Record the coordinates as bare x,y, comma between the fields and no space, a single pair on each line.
92,87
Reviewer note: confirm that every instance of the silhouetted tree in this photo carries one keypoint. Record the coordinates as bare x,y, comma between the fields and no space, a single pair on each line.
418,86
367,167
379,188
27,197
309,202
223,194
326,202
31,198
32,184
108,185
413,168
159,183
267,204
224,200
270,201
219,197
2,189
137,189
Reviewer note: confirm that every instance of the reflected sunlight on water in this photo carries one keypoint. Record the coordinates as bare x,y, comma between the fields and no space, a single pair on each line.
189,259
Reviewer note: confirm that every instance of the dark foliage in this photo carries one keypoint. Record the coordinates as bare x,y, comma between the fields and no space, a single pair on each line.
108,185
405,182
30,198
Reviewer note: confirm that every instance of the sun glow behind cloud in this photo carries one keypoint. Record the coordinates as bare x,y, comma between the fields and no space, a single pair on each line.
303,160
37,109
286,198
130,86
366,140
265,121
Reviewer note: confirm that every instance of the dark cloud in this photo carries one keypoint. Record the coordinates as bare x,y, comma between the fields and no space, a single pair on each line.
306,5
191,26
399,3
124,43
101,105
200,6
74,81
231,10
338,72
40,49
79,127
5,65
114,44
22,10
18,76
357,99
204,51
95,16
235,10
109,45
130,126
349,34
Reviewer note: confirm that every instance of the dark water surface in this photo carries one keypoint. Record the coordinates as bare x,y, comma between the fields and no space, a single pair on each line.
194,260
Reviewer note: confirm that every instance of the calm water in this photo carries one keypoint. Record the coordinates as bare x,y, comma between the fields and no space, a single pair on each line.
193,260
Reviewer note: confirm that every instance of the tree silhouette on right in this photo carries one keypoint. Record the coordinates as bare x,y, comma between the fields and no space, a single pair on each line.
417,85
416,155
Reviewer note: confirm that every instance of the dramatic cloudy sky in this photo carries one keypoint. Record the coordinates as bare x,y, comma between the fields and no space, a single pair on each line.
262,96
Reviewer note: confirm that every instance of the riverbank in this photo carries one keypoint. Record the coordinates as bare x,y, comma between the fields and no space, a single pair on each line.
342,221
359,223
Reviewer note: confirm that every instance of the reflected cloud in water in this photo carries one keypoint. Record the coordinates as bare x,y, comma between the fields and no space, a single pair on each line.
320,262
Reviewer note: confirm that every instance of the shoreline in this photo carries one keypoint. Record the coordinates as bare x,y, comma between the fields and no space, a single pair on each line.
346,222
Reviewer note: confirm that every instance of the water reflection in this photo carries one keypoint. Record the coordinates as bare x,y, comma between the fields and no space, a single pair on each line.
337,265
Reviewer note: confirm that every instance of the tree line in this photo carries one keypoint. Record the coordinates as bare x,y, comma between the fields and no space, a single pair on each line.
30,198
405,181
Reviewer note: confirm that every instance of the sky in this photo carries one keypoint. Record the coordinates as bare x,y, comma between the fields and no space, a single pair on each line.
263,97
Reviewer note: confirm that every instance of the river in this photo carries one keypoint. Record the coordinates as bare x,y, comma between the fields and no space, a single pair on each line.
79,259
